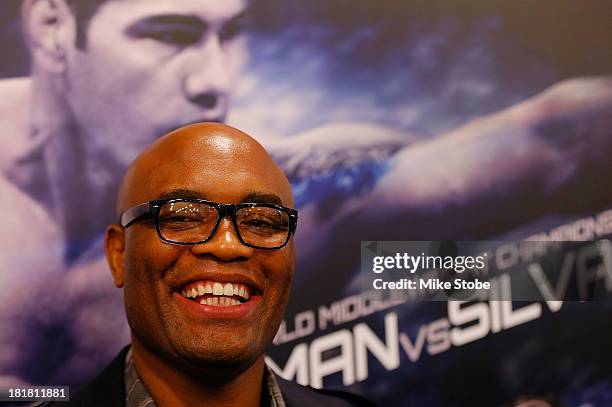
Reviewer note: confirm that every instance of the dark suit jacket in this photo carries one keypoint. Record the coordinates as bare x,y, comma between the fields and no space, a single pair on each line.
107,390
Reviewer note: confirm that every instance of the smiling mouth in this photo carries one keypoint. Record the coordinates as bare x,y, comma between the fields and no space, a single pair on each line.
218,294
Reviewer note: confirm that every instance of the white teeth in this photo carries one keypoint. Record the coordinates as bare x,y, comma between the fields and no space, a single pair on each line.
219,289
219,301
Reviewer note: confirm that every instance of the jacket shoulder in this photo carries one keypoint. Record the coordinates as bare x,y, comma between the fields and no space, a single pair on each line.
296,395
106,390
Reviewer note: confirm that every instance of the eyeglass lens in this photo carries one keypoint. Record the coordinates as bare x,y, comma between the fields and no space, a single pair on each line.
191,222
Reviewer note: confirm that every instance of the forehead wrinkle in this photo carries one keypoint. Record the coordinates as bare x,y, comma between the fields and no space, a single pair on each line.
248,197
269,190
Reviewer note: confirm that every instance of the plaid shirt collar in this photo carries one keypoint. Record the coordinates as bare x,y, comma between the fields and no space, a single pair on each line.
137,395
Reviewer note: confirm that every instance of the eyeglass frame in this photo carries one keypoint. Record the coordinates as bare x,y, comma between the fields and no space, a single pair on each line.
152,208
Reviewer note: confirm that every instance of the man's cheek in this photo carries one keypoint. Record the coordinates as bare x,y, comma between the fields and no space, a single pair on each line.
144,250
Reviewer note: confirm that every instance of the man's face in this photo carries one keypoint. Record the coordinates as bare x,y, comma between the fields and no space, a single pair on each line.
149,66
157,274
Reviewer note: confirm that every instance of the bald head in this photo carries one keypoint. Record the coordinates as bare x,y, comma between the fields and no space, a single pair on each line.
185,158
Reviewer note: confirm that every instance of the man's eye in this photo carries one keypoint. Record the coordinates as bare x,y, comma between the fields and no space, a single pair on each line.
179,220
179,37
259,223
263,224
233,30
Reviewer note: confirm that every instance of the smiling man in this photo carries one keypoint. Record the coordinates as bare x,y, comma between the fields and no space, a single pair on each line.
204,253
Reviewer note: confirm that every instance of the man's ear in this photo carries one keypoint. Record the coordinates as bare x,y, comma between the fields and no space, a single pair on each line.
50,28
114,247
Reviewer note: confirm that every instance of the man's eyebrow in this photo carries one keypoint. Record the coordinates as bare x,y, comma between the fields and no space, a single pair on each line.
180,193
259,197
245,16
162,20
252,197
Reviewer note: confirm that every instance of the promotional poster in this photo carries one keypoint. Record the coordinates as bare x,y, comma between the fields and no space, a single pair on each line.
423,141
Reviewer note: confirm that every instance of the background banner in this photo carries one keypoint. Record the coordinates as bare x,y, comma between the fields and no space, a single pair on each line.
394,121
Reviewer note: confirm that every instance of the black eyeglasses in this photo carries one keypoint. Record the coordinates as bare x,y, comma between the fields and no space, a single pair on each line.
194,221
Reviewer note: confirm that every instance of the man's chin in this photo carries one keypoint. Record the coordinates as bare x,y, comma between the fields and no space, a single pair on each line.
220,353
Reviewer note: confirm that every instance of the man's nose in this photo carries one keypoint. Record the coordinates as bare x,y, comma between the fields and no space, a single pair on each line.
208,80
224,244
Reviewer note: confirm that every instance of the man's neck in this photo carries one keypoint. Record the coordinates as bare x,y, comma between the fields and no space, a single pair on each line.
75,198
170,386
